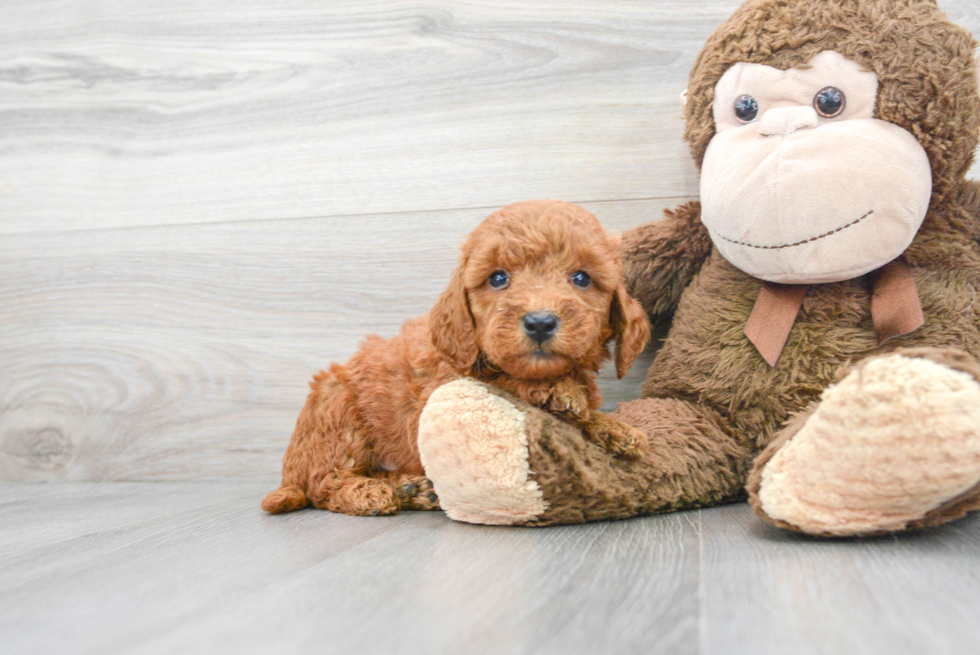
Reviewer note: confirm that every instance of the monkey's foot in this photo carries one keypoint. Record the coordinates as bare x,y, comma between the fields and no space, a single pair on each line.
473,444
894,445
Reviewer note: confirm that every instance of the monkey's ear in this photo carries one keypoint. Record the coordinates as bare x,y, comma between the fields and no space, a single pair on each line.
451,326
631,329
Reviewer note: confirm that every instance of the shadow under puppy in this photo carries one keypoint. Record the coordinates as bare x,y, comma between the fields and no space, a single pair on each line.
531,309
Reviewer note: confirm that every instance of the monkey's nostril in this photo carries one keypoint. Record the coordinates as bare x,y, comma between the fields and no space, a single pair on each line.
540,326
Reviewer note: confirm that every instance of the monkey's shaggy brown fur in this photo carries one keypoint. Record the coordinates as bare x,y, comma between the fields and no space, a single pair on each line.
711,403
927,85
355,448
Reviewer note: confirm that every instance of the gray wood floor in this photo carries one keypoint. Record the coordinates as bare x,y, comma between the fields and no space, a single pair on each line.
198,568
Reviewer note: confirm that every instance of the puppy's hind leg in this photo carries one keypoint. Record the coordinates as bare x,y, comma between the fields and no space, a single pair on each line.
328,454
285,499
351,492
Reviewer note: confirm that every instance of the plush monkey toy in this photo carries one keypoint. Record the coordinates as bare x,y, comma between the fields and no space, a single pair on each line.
824,297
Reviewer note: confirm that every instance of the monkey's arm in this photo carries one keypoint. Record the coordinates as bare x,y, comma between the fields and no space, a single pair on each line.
578,404
661,258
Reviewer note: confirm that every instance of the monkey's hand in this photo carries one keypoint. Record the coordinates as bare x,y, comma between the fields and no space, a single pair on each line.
621,439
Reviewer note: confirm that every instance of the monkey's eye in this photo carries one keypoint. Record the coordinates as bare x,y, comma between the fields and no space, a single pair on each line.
581,279
829,102
746,108
498,279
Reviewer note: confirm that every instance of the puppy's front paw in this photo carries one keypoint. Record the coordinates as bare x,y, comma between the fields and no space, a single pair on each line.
568,399
417,493
621,439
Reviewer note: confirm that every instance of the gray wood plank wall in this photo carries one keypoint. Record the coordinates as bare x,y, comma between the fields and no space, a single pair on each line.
202,203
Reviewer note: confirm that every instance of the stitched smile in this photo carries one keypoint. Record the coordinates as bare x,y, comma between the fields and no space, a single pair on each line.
798,243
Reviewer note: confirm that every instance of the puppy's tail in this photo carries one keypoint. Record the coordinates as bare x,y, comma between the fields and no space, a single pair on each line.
285,499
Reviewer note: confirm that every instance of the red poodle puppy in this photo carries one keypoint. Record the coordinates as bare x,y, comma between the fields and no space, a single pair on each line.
531,309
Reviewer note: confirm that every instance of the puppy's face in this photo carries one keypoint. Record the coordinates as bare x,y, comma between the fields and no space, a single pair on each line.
540,284
540,305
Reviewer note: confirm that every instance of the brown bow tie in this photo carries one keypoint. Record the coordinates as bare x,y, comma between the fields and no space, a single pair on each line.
895,309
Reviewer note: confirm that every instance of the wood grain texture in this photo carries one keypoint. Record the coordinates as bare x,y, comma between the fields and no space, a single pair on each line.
203,203
184,352
771,592
193,567
197,567
118,113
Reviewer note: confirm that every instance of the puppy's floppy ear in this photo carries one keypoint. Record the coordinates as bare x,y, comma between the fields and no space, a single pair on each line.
631,328
451,326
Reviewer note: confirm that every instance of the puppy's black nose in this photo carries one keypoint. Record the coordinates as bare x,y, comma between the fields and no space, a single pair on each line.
540,326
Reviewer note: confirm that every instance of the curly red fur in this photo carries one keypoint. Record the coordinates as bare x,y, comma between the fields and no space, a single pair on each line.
354,449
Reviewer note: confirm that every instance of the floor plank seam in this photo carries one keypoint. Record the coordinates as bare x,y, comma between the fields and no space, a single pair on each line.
316,217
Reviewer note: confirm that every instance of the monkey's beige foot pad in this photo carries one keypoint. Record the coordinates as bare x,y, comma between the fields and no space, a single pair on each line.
474,448
894,445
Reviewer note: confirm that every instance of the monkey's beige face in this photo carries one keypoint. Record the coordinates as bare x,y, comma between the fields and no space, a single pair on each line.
801,184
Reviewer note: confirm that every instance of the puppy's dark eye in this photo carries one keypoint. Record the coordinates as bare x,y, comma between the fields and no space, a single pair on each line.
498,279
746,108
581,279
829,102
